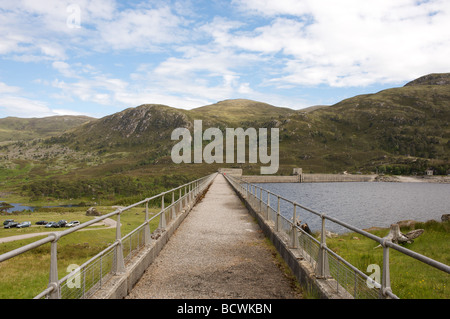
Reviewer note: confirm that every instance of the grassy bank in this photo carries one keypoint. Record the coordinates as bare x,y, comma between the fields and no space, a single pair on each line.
25,276
410,278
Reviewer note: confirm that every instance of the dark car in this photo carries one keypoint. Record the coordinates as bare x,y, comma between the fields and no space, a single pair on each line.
42,222
51,224
62,223
7,221
11,225
24,224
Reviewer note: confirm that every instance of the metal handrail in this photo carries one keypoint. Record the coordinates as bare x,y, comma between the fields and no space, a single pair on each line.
386,244
56,235
54,283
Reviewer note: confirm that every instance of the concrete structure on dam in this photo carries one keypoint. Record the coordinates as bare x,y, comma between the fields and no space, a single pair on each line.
298,177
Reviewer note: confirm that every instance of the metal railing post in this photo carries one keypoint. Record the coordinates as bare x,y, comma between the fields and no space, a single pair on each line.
147,232
193,191
162,216
119,264
386,279
278,219
174,213
294,231
190,194
268,206
260,200
322,266
180,200
53,278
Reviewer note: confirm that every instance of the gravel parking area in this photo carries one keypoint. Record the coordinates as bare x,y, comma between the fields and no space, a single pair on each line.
217,252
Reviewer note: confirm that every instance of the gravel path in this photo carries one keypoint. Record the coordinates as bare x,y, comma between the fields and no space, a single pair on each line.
217,252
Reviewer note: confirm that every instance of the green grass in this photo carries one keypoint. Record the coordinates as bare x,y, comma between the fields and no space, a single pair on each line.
410,278
25,276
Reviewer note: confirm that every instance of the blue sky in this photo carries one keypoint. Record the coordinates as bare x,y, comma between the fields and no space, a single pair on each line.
98,57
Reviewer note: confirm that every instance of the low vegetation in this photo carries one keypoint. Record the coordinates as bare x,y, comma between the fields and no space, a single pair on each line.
410,278
25,276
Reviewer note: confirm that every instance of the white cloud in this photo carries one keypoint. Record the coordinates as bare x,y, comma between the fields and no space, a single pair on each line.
23,107
352,42
13,104
141,29
192,56
42,30
64,68
4,88
67,112
272,8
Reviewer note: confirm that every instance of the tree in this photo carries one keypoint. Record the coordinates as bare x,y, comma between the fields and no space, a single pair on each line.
5,206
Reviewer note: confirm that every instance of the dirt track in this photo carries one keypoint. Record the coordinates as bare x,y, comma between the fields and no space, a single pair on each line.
108,223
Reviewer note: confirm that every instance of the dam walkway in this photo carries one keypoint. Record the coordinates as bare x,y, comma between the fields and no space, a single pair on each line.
218,251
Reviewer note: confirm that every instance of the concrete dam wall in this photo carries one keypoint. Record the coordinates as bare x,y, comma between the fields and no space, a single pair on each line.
298,177
326,178
308,178
271,179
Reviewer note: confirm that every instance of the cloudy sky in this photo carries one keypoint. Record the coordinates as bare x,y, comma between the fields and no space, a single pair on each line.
97,57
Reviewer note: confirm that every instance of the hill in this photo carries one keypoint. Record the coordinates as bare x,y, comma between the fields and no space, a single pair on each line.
406,127
14,128
239,113
402,130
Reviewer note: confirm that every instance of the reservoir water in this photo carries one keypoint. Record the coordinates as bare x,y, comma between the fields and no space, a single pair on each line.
365,204
22,207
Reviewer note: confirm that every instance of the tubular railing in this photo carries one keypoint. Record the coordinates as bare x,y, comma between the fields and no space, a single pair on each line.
86,279
327,263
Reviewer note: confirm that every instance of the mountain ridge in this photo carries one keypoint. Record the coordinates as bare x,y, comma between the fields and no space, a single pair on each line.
398,130
16,128
431,79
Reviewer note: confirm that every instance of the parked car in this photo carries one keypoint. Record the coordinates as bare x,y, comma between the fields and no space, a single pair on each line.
11,225
73,223
51,224
7,221
24,224
62,223
42,222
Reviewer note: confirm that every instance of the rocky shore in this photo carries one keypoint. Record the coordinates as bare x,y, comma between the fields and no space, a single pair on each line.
413,179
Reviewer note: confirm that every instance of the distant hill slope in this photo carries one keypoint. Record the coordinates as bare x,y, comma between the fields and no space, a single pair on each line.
400,130
402,127
14,129
431,79
239,112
